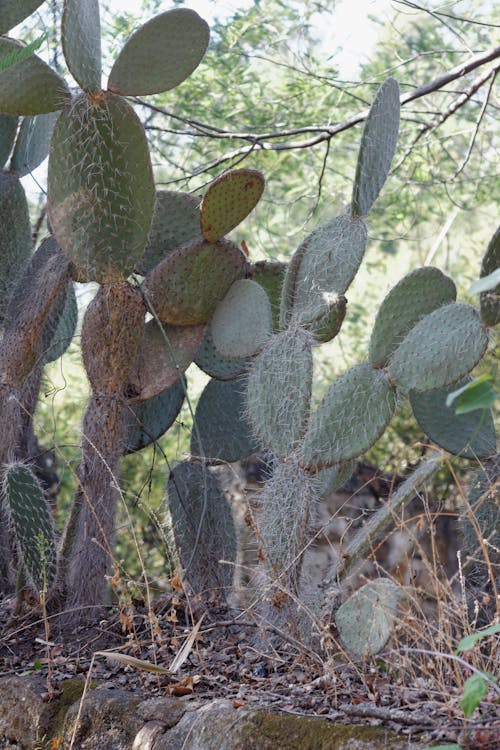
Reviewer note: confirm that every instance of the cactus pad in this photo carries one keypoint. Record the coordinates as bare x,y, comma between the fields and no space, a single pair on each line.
176,221
366,619
279,391
322,269
243,321
148,421
13,13
229,200
222,431
416,295
165,353
8,130
270,275
286,503
187,286
109,347
81,42
378,144
161,54
33,142
29,87
203,527
490,301
328,326
33,525
100,187
211,361
353,414
15,237
440,349
470,435
66,326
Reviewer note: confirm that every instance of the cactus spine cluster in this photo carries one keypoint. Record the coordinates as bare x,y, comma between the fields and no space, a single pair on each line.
252,328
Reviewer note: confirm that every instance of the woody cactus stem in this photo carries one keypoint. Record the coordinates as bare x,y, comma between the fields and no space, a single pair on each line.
109,348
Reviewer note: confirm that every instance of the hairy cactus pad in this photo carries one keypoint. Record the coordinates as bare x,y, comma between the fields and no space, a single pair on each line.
109,348
81,42
243,321
29,87
228,200
416,295
440,349
353,414
100,187
33,525
279,391
322,269
378,144
187,286
161,54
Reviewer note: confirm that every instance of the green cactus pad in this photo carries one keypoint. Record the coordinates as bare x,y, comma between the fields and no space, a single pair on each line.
81,42
243,321
490,301
12,13
203,527
15,237
365,621
286,503
100,187
29,87
331,479
416,295
353,414
176,221
33,525
33,142
111,336
222,431
147,422
161,54
270,275
229,200
8,130
66,326
187,286
470,435
378,144
440,349
214,364
279,391
325,265
165,353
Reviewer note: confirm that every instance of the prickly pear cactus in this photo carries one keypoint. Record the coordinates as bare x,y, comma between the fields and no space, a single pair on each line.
365,621
33,525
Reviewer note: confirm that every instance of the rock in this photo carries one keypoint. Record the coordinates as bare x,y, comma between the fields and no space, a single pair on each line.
108,721
24,717
218,725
